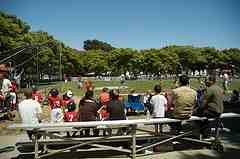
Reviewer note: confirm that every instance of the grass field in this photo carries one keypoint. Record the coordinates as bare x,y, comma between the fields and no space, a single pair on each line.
140,86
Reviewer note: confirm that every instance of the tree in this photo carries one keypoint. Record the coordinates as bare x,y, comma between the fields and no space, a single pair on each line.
97,45
12,30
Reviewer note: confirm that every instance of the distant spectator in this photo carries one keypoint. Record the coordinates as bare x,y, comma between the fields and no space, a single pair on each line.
29,111
146,101
235,96
88,85
13,94
225,82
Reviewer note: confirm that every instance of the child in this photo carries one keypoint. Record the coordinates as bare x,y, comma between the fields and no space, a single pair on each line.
104,115
67,98
55,103
36,95
71,116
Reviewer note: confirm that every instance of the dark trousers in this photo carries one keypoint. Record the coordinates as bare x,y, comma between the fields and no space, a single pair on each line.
205,127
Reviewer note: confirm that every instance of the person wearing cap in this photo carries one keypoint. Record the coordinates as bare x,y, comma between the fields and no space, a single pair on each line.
67,98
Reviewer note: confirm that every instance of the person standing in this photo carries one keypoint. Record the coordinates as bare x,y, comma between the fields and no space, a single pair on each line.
159,103
213,99
5,88
30,111
213,105
225,82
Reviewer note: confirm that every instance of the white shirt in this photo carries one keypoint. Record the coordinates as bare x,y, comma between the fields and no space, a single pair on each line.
6,86
29,110
158,101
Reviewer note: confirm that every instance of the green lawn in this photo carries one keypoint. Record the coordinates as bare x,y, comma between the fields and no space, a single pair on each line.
140,86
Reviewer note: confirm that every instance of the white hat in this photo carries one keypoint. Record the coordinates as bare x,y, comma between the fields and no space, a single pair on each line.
69,94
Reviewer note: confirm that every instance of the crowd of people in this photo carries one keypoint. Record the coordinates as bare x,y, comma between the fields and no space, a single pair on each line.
179,103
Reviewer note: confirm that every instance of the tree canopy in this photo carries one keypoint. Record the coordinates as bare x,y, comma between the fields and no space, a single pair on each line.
43,50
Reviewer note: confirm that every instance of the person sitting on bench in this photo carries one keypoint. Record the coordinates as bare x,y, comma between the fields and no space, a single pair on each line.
115,108
30,111
184,99
88,112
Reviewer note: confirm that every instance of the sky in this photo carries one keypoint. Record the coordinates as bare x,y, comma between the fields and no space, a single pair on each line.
139,24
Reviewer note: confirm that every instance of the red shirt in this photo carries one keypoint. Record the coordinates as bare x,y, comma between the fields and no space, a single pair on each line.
37,96
104,98
104,115
66,101
71,116
55,102
13,87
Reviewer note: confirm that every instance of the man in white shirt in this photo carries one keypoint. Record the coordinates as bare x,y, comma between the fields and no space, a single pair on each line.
159,103
5,87
29,111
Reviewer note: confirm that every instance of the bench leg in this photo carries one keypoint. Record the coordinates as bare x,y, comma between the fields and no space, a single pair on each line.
134,141
35,140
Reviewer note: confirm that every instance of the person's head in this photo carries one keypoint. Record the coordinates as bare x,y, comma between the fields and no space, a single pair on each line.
28,93
235,92
183,80
34,88
211,79
148,92
132,91
89,94
54,92
157,88
105,89
71,106
3,71
114,94
69,94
